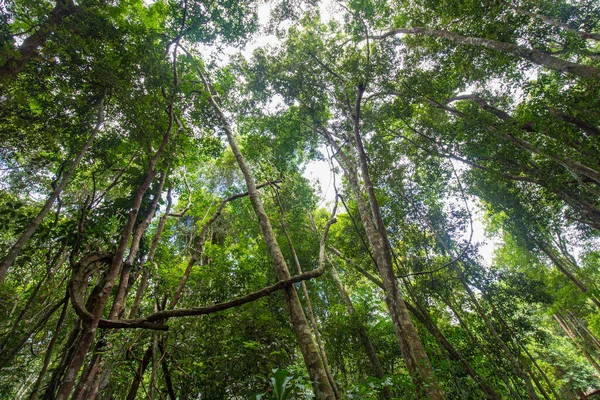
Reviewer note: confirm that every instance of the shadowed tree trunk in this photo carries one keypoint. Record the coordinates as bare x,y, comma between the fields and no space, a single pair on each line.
426,320
511,357
563,324
552,22
91,325
9,354
139,374
33,395
309,308
29,48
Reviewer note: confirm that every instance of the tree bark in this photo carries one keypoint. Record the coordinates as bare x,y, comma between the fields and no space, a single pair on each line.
431,327
118,305
87,378
70,346
91,324
25,236
29,48
166,372
8,355
426,320
553,22
200,244
578,325
535,56
511,357
573,337
362,332
309,308
540,370
321,386
412,349
48,355
146,271
560,265
139,374
569,164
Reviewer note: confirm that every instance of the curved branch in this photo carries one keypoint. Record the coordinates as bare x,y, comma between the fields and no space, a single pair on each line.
202,240
535,56
148,321
553,22
156,320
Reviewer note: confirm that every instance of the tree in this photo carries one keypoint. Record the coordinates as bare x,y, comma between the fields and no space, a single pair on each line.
154,204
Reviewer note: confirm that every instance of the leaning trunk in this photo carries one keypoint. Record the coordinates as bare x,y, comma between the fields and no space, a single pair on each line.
25,236
89,330
322,388
511,357
415,358
426,320
309,308
362,332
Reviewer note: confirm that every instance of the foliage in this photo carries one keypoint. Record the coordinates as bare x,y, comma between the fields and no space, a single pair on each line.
470,113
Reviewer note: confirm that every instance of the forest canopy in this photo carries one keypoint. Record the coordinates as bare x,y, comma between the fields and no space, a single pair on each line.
160,236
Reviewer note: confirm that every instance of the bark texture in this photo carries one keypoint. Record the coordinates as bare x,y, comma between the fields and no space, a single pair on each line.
362,332
535,56
412,349
29,47
25,236
93,319
316,371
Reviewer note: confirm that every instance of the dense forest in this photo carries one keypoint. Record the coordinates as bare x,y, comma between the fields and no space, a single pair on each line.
160,237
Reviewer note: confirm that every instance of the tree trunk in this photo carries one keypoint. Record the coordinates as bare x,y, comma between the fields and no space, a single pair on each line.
540,370
139,374
30,45
520,345
96,365
514,362
552,22
48,355
578,325
89,330
309,308
8,355
25,236
560,265
71,346
146,271
415,358
426,320
118,305
362,332
573,337
321,386
166,372
538,384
